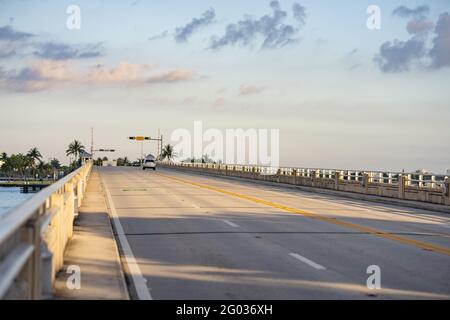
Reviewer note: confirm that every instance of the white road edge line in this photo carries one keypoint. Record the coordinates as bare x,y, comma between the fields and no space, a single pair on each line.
140,283
231,223
307,261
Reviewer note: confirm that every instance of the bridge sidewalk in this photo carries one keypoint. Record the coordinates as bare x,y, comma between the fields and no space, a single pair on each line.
93,248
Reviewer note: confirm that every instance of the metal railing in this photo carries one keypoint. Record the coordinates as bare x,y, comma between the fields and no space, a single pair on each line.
33,237
425,187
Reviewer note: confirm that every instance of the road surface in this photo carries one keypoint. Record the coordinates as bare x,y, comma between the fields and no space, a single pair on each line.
188,236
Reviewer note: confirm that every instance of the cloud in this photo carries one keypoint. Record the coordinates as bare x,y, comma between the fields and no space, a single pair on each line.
397,56
162,35
62,51
271,28
47,74
419,26
419,12
124,72
12,41
299,13
219,102
419,22
352,52
9,34
189,100
245,90
183,33
7,50
440,52
39,76
172,76
135,74
355,66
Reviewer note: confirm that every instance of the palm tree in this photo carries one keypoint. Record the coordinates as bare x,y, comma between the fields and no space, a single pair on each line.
34,154
19,163
168,152
3,161
55,163
75,149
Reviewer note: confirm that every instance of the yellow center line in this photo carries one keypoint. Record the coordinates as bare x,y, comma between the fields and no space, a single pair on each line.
372,231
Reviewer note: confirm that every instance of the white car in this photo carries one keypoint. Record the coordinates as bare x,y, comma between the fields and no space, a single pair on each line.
149,164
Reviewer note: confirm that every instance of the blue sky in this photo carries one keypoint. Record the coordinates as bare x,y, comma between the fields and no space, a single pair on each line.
334,104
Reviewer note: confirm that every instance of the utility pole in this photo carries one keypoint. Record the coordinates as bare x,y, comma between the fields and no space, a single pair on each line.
92,142
159,144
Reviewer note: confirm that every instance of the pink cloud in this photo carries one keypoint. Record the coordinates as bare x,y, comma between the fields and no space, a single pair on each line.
46,74
245,90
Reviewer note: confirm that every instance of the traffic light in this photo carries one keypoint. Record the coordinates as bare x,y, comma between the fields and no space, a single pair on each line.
139,138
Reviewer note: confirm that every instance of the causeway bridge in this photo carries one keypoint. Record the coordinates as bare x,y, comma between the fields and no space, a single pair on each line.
204,231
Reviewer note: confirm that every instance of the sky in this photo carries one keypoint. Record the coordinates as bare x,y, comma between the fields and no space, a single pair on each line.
341,94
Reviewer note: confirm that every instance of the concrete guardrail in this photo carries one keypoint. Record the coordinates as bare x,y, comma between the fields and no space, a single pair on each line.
34,235
426,188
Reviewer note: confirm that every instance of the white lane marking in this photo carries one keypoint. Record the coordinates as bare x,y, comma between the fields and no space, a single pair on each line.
231,223
140,283
307,261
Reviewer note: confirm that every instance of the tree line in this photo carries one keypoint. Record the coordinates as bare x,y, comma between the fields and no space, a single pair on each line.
32,164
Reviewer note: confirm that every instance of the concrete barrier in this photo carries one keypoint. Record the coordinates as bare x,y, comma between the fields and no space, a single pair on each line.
34,235
415,187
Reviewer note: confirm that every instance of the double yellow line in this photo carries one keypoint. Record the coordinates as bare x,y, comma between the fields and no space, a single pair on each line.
360,228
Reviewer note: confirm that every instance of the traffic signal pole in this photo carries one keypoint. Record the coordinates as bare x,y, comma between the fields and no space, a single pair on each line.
142,139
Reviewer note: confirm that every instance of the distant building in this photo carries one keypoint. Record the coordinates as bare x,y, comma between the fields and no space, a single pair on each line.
447,172
85,157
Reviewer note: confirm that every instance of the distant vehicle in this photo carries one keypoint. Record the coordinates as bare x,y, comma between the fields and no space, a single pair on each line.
149,164
136,164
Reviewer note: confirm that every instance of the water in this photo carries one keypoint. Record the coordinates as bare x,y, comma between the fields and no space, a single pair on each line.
10,198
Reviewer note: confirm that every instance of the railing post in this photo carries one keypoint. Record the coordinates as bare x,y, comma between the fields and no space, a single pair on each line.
312,175
337,177
33,236
447,190
79,193
401,186
365,181
294,174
